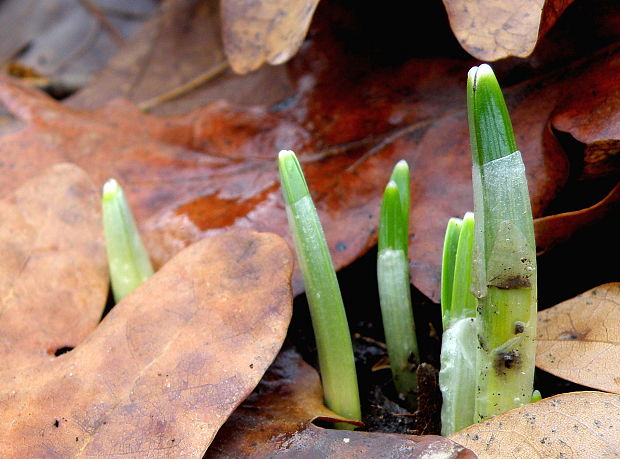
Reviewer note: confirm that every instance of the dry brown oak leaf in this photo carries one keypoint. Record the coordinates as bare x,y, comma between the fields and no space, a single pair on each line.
167,366
165,65
576,425
491,30
215,167
277,421
263,31
53,270
579,339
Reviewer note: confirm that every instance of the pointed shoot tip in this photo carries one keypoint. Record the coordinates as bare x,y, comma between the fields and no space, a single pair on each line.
111,189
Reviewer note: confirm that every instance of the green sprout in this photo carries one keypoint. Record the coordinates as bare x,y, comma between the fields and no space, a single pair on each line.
457,377
127,258
504,260
450,247
329,321
394,289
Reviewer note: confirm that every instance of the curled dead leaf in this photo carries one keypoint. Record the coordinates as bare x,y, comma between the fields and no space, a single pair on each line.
53,269
165,67
577,425
276,421
579,339
491,30
557,229
166,366
592,118
264,31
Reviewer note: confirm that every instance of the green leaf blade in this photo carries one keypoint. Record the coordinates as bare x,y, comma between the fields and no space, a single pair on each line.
333,340
128,260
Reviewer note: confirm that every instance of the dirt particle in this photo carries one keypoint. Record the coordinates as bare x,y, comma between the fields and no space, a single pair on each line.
506,361
510,282
569,335
56,423
482,343
519,327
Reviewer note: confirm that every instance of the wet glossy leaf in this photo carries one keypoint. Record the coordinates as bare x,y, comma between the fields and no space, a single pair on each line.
579,339
351,120
276,421
53,271
264,31
593,119
167,365
493,29
579,425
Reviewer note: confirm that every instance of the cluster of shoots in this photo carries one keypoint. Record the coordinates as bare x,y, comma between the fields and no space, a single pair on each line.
488,298
333,339
128,260
459,343
489,274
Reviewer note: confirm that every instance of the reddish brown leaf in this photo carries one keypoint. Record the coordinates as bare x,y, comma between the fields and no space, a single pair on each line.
264,31
169,363
350,122
53,270
593,119
276,422
579,339
494,29
556,229
578,425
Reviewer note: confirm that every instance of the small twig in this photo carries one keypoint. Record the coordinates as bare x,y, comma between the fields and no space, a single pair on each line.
194,83
103,20
391,137
125,14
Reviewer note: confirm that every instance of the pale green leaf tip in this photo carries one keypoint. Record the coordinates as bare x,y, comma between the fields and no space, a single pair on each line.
482,74
402,165
294,185
111,189
284,154
391,186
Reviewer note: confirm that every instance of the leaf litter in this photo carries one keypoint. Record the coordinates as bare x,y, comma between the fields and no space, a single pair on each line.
180,139
157,375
